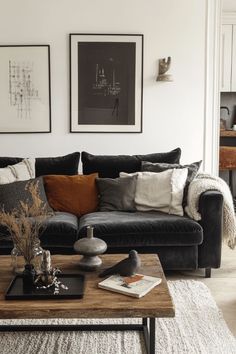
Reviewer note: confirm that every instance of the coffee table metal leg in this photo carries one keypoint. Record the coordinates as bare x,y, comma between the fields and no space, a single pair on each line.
145,321
149,334
146,335
152,327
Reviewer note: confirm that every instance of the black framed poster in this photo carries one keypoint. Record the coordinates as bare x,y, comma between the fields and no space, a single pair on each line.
106,79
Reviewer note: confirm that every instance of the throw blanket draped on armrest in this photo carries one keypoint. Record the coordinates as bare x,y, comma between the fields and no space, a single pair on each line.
202,183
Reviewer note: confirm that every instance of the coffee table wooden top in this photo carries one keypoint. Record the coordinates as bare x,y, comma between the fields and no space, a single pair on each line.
96,303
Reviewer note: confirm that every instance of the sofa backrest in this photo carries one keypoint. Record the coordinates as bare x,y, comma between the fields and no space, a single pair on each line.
61,165
109,166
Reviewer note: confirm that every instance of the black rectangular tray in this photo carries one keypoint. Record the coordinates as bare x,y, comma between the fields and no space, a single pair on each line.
74,282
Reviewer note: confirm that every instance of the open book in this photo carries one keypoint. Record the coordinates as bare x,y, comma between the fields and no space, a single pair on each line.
137,285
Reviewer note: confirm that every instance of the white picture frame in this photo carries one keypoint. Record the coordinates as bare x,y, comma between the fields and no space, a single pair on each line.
106,83
25,92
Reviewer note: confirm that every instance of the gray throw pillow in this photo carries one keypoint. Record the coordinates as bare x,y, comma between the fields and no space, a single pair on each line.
116,194
12,194
160,167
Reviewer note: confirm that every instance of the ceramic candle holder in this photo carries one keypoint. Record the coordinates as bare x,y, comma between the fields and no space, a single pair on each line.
90,248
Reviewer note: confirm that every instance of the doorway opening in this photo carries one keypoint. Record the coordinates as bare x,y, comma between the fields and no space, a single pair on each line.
227,88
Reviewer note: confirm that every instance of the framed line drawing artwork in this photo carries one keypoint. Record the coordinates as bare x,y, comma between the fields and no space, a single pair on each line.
25,89
106,83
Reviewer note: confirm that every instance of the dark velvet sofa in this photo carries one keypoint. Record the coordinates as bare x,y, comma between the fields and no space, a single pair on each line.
181,243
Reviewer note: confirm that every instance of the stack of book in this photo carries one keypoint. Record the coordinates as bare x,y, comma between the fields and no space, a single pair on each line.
137,285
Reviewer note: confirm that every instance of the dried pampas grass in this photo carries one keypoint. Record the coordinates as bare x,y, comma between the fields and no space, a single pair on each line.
25,224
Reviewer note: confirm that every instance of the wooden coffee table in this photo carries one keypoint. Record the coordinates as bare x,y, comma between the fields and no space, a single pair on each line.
96,303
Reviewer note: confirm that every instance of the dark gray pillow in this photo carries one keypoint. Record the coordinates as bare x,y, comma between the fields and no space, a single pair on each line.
12,194
116,194
160,167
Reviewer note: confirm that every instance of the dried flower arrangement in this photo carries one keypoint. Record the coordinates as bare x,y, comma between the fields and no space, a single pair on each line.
25,224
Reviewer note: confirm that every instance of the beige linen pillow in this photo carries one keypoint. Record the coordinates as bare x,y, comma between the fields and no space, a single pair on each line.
153,191
178,182
21,171
161,191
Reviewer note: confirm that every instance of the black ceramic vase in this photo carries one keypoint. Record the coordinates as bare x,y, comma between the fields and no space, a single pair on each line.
28,276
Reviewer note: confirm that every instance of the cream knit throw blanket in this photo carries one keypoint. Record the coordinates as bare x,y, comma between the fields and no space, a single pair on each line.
203,182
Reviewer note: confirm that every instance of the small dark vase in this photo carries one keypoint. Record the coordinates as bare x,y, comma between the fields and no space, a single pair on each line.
28,276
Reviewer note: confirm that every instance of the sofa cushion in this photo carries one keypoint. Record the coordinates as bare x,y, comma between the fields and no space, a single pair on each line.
9,161
74,194
13,194
21,171
161,191
160,167
110,166
61,230
61,165
142,229
117,193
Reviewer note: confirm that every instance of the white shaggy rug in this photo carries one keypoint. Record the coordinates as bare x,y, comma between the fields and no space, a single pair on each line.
198,328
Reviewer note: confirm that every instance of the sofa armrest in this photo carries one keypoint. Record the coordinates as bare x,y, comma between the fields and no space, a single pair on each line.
211,210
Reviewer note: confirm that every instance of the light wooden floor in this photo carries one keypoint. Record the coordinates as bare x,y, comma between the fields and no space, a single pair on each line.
222,285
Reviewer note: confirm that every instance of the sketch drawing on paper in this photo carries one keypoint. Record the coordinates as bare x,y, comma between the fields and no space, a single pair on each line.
21,88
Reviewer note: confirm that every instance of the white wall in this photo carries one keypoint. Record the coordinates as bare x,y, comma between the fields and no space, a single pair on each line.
229,5
173,113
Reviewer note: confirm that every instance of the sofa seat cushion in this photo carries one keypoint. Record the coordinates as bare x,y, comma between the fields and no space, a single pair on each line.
61,230
137,229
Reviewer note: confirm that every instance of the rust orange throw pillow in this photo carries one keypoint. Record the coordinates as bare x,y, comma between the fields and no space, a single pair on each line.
73,194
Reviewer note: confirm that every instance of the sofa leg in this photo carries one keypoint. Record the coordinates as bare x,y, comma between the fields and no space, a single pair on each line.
207,272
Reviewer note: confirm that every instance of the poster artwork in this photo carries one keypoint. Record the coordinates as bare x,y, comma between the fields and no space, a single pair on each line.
106,83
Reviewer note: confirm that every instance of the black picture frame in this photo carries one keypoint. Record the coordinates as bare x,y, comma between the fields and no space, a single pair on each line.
106,83
25,98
